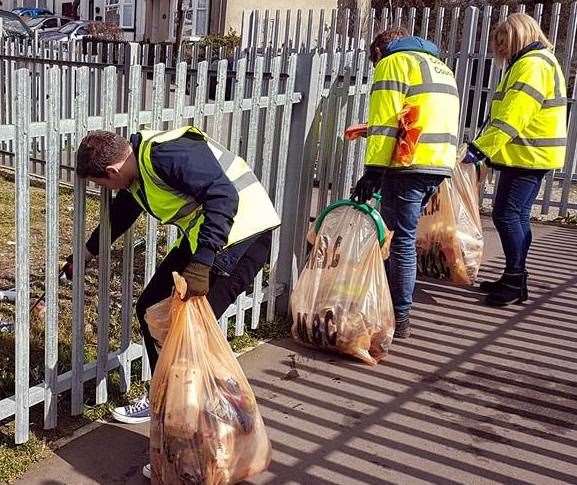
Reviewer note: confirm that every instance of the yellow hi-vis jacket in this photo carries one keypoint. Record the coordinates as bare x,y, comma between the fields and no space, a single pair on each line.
256,213
408,78
528,122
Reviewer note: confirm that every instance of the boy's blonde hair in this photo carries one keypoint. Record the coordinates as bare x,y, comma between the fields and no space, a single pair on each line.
514,34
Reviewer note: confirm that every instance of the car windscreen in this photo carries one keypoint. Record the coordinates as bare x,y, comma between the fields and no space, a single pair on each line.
69,28
34,22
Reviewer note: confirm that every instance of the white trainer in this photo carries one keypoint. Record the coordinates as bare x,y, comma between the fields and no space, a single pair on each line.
137,412
147,471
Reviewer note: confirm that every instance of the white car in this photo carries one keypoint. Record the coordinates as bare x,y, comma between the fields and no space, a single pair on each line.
75,30
48,23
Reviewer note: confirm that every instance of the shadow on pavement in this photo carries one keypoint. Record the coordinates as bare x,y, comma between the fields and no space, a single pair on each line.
111,454
476,395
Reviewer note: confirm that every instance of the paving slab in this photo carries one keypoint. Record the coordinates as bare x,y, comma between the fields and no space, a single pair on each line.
476,396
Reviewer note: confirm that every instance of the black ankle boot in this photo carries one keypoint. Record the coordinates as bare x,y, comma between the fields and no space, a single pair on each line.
491,286
402,328
511,289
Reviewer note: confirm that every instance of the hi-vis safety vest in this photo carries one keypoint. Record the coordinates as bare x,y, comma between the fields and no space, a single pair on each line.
528,127
256,213
414,78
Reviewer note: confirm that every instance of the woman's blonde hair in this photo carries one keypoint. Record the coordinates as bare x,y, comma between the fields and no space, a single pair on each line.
515,33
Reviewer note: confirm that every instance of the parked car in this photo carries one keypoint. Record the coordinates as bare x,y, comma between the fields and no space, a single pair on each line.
47,23
31,11
73,30
13,25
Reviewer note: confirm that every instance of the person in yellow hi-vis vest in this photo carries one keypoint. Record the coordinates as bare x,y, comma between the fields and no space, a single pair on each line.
411,148
223,214
526,136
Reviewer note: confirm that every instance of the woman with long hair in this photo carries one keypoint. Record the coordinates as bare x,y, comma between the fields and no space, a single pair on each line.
525,138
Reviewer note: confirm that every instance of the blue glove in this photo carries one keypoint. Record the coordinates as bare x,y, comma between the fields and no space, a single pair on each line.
470,157
474,155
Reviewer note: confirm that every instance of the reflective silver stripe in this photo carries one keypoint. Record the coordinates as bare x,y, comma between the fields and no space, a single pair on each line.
554,103
383,131
530,90
548,60
499,96
433,88
548,103
557,84
188,207
399,86
438,138
553,64
424,138
425,69
541,142
245,180
506,128
226,160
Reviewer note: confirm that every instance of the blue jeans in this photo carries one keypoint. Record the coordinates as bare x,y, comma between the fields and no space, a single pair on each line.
516,193
404,196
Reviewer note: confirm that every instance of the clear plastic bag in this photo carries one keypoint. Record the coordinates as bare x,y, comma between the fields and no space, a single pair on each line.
206,427
450,234
342,301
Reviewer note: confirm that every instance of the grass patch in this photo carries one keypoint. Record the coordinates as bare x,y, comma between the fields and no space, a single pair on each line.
37,250
14,461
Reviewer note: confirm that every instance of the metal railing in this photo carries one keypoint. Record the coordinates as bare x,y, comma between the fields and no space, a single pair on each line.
259,114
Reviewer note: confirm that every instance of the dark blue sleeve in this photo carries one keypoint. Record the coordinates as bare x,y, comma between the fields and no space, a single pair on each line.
189,166
124,211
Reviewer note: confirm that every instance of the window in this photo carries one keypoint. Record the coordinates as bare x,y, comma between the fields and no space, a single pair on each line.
51,24
195,18
121,12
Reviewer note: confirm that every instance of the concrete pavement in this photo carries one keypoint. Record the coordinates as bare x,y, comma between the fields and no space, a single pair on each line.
477,395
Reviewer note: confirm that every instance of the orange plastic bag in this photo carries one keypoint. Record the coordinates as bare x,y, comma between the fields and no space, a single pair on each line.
158,319
341,301
408,137
356,131
206,427
450,234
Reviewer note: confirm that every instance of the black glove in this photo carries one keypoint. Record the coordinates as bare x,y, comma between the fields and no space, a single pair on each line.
197,277
68,268
369,184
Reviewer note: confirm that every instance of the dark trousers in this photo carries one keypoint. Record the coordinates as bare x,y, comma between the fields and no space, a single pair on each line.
223,289
516,193
404,196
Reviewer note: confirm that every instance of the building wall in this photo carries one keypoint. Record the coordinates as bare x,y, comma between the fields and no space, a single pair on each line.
235,8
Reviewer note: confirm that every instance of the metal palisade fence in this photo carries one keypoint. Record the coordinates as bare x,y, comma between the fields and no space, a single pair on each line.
283,108
256,114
